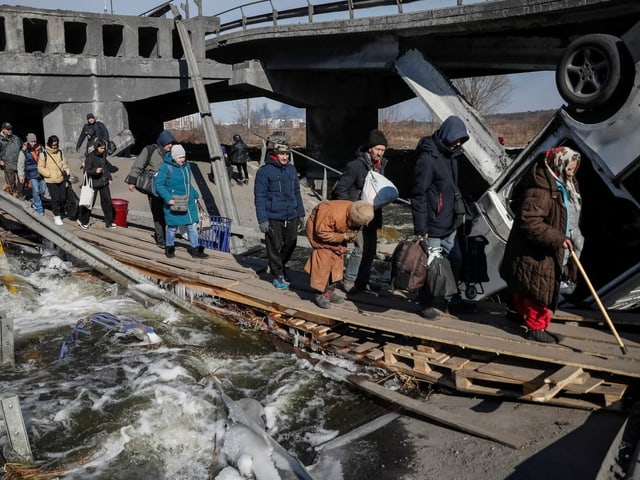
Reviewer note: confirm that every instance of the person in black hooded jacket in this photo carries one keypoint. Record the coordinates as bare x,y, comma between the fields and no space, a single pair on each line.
433,199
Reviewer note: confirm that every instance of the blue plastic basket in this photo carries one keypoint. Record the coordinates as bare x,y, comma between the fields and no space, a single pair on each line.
217,238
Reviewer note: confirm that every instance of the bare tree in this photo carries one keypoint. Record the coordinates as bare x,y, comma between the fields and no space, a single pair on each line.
485,94
390,114
240,112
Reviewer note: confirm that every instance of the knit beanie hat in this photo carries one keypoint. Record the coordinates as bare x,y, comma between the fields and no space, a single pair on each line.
31,137
165,138
376,137
177,151
90,115
281,147
361,212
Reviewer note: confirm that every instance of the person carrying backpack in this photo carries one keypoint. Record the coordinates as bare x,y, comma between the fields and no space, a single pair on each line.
92,131
149,162
28,171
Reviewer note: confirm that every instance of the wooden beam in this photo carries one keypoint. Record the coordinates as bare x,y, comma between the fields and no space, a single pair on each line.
443,417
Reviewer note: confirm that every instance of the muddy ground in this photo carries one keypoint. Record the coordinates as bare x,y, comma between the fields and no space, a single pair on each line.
562,444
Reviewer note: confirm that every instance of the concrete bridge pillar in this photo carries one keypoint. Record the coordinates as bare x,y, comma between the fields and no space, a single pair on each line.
56,43
14,33
334,134
67,119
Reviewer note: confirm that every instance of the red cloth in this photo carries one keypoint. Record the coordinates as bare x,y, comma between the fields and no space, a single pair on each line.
536,316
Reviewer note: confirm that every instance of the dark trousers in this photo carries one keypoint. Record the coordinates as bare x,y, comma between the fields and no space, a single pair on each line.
105,204
242,171
13,183
281,240
362,256
64,200
156,205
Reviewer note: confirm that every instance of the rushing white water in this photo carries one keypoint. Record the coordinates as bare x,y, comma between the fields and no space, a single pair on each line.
114,411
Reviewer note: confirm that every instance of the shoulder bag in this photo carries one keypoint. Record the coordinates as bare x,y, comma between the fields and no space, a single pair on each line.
204,220
378,190
87,193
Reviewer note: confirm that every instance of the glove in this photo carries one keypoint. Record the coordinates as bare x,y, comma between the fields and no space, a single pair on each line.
264,227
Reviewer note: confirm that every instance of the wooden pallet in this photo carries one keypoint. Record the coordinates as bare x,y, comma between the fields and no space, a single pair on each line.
466,370
558,385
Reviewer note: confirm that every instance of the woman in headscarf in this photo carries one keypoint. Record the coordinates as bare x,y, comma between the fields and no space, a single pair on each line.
536,263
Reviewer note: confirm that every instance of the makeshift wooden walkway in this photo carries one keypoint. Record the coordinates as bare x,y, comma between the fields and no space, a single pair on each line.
482,353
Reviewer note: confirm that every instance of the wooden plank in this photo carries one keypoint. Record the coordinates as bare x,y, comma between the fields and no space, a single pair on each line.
375,355
364,347
555,383
328,337
344,341
465,423
516,372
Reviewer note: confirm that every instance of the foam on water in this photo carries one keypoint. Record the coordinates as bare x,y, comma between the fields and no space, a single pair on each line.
111,411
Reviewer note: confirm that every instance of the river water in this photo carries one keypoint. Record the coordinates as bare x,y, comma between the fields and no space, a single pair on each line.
113,410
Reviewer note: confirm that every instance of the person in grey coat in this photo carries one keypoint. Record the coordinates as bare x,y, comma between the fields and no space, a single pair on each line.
150,160
10,146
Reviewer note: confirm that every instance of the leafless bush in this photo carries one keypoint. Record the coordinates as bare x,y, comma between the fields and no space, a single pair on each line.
516,128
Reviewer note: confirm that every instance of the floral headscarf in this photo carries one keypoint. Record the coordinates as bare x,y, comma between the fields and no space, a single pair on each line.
557,159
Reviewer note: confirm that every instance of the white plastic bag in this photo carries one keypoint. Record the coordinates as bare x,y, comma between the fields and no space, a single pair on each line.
378,190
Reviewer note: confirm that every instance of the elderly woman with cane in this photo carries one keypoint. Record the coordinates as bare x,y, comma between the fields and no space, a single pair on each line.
536,263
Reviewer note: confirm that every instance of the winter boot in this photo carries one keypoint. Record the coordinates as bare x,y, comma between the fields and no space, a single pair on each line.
335,297
541,336
170,252
324,299
57,220
197,252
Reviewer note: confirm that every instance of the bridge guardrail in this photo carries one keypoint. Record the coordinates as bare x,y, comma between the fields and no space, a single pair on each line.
306,11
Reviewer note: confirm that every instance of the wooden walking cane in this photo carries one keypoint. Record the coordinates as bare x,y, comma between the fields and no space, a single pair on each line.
597,299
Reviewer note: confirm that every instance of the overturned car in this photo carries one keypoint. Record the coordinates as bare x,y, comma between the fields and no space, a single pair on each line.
599,78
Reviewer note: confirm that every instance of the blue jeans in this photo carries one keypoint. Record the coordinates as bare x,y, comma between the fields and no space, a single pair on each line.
192,232
451,249
38,187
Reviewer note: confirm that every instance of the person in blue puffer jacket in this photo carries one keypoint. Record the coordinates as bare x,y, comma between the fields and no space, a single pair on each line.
173,182
279,210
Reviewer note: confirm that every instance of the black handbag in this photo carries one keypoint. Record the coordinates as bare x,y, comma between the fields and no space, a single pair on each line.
146,182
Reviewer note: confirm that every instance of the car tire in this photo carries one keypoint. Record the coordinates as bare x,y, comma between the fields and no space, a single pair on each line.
589,72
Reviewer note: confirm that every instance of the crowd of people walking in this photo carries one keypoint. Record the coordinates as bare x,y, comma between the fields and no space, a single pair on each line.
342,230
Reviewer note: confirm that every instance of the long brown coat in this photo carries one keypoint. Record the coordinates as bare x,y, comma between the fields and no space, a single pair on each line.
532,261
326,228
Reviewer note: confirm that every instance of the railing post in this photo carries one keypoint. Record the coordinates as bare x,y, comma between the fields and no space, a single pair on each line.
14,425
324,184
6,340
310,10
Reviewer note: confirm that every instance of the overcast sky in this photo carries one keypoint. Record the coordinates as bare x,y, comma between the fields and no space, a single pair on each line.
533,91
